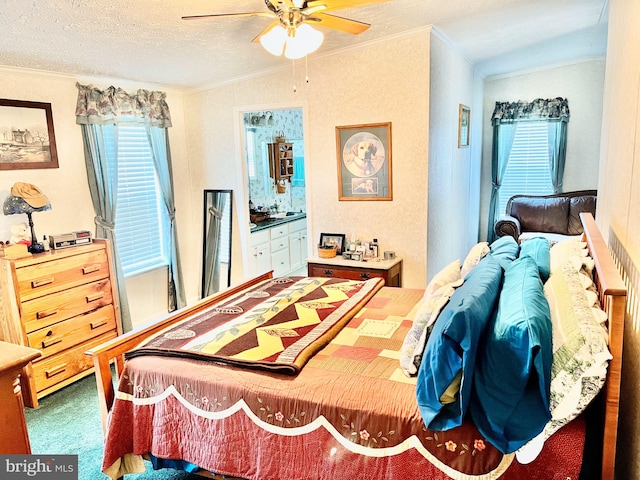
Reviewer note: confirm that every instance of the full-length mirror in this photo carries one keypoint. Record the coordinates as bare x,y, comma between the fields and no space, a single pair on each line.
216,242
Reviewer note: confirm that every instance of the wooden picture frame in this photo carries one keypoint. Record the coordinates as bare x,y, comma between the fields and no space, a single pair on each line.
336,239
364,162
27,139
464,121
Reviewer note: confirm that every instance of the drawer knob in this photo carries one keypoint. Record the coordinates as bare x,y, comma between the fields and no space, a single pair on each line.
94,297
99,323
42,282
45,313
90,269
365,276
56,370
328,271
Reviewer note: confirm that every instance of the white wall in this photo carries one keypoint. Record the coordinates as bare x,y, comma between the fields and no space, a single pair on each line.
618,213
383,82
582,84
454,173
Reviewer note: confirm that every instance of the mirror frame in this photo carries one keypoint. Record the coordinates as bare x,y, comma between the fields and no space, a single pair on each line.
205,230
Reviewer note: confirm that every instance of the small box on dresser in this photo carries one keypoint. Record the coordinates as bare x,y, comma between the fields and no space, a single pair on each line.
62,303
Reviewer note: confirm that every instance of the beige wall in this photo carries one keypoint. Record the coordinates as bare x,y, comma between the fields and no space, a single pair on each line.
454,173
383,82
618,213
582,84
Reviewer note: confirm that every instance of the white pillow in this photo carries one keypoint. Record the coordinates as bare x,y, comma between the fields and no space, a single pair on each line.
477,252
572,249
435,297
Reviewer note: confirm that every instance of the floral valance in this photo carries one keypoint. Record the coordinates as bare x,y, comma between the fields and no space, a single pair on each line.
104,106
539,109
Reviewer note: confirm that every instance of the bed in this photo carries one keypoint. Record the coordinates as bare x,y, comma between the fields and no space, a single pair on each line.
342,409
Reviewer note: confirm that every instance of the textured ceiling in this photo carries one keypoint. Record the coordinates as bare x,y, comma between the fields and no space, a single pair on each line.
147,41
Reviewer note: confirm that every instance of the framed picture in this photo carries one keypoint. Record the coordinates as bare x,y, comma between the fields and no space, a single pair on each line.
333,239
26,135
364,162
464,116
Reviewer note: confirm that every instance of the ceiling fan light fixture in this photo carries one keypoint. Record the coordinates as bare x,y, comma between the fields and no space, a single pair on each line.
302,41
274,40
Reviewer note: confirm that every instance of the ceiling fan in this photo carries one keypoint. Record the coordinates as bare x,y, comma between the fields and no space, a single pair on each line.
291,32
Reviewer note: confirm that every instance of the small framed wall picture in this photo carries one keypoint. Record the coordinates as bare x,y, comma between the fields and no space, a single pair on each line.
336,240
28,140
464,117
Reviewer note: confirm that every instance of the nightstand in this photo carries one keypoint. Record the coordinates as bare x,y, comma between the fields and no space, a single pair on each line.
13,359
389,270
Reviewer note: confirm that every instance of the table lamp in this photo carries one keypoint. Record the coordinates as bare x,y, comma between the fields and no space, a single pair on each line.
27,198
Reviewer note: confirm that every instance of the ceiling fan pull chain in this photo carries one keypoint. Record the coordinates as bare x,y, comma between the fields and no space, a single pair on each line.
306,68
293,65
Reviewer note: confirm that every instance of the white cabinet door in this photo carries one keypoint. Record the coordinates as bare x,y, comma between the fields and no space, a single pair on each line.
295,250
259,253
280,262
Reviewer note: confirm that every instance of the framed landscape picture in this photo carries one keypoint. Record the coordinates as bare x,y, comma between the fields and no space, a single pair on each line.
27,139
364,162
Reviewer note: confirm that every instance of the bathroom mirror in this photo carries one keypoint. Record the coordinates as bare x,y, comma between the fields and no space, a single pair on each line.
216,242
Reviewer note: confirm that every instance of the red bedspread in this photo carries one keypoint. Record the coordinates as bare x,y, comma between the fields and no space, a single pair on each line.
350,413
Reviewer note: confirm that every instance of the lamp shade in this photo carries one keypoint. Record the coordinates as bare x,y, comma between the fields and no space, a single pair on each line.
305,40
13,205
295,42
273,40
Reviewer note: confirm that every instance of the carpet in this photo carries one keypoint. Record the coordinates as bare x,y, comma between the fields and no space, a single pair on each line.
68,422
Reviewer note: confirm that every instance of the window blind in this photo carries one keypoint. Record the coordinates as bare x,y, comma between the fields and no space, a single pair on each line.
141,219
528,171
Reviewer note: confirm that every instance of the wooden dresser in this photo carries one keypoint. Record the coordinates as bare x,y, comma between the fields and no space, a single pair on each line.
62,303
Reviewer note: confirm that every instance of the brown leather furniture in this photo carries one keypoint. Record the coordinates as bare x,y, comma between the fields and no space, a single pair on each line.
551,216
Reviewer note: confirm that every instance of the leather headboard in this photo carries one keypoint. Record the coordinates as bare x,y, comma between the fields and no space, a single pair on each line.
557,213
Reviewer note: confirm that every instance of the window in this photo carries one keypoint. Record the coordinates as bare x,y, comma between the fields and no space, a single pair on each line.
528,171
142,224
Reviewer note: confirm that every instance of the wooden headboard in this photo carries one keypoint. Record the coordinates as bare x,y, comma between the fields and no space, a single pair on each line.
613,299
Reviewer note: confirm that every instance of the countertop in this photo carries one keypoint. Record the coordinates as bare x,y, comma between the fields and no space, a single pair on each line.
272,222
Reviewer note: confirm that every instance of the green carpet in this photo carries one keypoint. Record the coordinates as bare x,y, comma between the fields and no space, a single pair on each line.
68,422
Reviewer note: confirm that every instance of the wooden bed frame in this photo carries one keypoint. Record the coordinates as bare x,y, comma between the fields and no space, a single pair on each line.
611,289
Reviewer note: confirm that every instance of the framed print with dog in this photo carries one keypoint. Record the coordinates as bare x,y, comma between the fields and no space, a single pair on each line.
364,162
26,135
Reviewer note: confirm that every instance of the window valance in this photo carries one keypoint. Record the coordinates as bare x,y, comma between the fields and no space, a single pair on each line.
97,106
539,109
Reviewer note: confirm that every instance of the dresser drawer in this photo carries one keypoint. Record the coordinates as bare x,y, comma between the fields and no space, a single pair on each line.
59,274
63,335
50,309
346,273
57,368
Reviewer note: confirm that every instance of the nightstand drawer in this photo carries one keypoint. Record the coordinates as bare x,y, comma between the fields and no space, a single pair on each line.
63,335
50,309
348,274
73,361
53,276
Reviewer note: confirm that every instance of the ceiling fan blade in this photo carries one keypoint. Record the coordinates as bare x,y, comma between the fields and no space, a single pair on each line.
338,23
338,4
248,14
265,31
